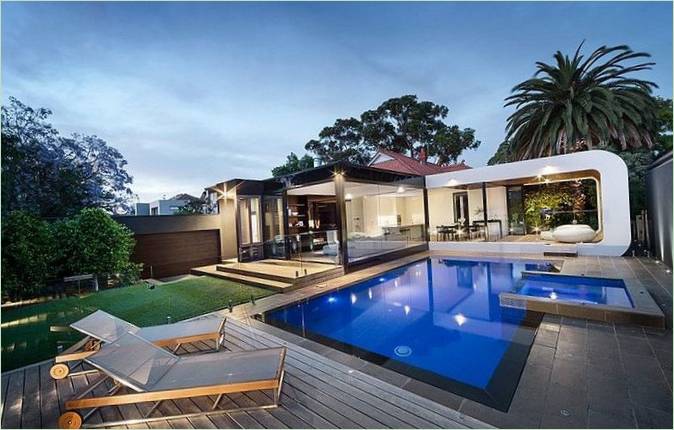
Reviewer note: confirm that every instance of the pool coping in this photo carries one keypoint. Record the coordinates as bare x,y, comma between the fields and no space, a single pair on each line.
645,311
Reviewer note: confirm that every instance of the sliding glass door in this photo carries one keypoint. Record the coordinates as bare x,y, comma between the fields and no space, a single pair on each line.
273,230
249,228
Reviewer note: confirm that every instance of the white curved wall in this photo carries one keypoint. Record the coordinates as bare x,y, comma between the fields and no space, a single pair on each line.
615,206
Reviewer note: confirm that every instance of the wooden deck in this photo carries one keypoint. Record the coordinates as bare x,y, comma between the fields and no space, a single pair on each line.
317,393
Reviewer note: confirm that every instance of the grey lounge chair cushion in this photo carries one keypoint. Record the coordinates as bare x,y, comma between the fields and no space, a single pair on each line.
108,328
103,326
142,366
133,361
181,329
222,369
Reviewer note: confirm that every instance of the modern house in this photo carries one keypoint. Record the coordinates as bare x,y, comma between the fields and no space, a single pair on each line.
350,216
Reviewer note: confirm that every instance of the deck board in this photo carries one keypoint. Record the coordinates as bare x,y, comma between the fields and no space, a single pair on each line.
11,417
30,413
317,393
3,393
48,398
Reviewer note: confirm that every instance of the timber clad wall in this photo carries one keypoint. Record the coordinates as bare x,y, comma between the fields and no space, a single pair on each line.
172,245
169,254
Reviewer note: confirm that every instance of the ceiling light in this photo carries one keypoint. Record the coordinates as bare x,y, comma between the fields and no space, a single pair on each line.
460,319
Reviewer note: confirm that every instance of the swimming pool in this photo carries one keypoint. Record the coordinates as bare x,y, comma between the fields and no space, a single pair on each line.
436,320
584,290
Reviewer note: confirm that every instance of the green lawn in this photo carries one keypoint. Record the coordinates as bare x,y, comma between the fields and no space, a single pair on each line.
32,333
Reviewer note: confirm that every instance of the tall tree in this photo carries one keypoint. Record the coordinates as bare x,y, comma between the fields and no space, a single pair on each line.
293,164
406,125
342,141
580,103
401,124
503,154
663,124
50,175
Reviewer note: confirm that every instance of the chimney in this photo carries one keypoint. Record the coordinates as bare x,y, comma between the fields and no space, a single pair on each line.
422,155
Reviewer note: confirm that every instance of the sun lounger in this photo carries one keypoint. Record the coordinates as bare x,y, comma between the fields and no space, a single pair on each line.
101,327
142,372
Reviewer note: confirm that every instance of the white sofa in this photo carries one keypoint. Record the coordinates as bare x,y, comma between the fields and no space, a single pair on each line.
570,233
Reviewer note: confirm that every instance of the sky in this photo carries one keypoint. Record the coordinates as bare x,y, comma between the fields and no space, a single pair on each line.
196,93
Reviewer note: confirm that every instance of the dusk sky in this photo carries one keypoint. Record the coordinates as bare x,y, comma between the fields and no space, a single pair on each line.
196,93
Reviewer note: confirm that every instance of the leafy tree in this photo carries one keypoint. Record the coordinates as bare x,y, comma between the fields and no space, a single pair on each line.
27,255
637,162
92,242
401,124
52,176
580,103
342,141
663,123
405,125
193,205
293,164
504,154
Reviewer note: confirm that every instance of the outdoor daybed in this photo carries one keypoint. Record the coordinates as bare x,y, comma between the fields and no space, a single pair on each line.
570,233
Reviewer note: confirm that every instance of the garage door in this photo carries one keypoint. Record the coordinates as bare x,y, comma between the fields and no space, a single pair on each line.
170,254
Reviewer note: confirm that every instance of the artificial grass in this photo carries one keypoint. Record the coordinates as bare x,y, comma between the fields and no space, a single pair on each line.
32,333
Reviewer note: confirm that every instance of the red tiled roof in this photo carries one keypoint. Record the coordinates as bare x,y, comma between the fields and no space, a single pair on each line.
404,164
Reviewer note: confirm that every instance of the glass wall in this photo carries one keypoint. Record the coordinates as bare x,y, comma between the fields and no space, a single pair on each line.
521,212
273,229
249,228
382,218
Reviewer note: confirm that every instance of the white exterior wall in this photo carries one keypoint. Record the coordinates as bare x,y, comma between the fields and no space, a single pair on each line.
613,202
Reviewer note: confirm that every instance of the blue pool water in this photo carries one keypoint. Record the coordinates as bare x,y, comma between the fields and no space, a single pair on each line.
599,291
436,320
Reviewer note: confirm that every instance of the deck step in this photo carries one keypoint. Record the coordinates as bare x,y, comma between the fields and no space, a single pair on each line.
231,268
244,279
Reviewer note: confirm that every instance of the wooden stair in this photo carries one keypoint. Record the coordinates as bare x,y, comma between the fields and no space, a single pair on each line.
244,279
277,275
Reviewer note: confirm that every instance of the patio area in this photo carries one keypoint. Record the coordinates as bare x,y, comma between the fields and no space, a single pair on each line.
579,374
317,393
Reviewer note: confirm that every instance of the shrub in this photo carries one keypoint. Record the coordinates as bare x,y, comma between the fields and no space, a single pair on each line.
92,242
33,251
27,255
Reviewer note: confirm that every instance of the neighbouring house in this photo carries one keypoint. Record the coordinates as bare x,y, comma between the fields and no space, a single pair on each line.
351,216
164,206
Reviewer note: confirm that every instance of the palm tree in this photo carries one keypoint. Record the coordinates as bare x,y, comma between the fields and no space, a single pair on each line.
582,103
